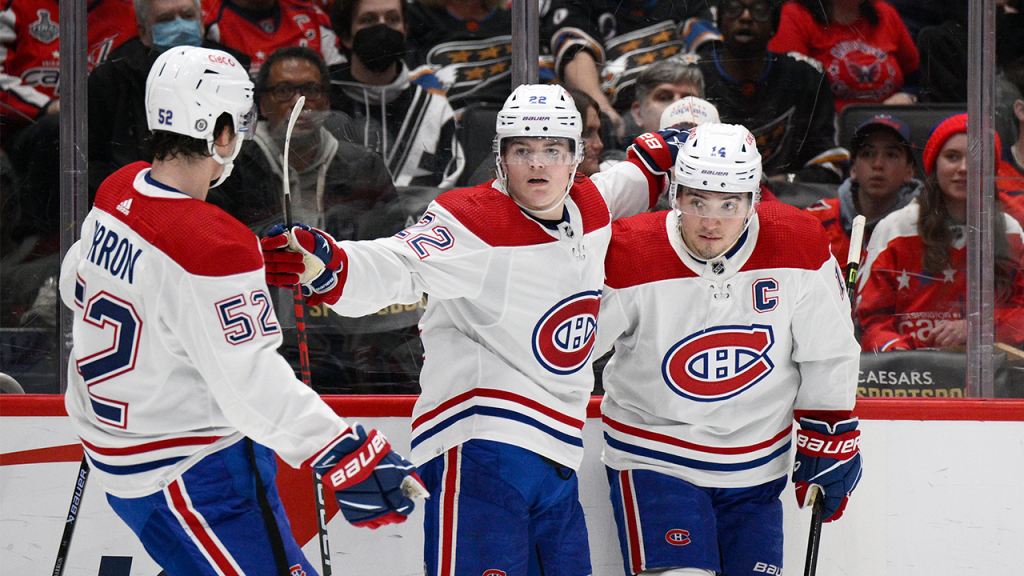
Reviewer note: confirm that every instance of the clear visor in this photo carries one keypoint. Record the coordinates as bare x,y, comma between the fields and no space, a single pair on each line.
247,128
718,205
539,152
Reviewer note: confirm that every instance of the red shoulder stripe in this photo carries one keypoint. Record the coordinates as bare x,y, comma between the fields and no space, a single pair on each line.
202,238
640,252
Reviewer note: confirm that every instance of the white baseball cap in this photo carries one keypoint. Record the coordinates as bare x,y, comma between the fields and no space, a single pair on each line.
689,110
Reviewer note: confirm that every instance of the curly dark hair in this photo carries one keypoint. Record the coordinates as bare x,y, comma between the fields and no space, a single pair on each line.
163,145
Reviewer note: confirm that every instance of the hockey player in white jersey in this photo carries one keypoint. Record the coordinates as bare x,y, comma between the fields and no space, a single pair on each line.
513,269
174,366
726,316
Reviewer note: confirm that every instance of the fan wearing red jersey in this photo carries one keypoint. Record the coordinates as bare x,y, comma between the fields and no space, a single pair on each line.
727,316
913,285
259,27
183,406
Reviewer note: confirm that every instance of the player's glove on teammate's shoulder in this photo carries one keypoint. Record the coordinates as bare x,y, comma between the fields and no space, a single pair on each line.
306,256
657,151
827,456
366,477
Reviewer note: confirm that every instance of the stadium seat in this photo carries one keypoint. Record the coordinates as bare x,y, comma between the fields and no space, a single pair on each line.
476,134
921,118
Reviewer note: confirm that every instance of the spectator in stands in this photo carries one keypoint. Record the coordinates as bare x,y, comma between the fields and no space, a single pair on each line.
944,46
687,113
1010,170
783,99
412,127
467,45
659,85
336,186
881,181
30,54
1015,74
601,46
863,45
118,132
258,27
913,284
592,144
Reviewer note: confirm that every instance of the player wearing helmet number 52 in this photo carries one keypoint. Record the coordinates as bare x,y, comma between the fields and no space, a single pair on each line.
182,408
726,315
514,271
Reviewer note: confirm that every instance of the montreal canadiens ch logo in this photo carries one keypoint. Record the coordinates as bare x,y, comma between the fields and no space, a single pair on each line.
564,337
677,537
719,363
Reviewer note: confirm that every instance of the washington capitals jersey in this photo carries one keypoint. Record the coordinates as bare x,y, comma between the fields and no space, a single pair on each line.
624,37
175,340
30,50
511,310
789,111
711,358
471,60
899,303
259,34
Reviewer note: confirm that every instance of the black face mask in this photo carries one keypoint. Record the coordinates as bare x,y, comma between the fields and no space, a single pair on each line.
378,47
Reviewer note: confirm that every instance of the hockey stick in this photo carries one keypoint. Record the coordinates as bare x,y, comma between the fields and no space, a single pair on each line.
816,497
69,524
300,330
853,256
814,538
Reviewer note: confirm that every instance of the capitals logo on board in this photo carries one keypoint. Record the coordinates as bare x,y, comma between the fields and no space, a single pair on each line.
720,362
564,338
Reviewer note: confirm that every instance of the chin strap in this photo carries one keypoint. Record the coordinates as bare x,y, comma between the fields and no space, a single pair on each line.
227,163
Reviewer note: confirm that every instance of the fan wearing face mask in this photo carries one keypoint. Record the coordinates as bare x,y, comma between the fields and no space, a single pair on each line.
411,126
117,111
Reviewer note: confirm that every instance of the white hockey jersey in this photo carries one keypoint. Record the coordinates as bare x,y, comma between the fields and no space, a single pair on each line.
711,359
512,306
175,340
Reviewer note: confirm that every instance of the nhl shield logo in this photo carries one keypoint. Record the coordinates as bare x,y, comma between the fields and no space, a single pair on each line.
45,29
719,363
564,337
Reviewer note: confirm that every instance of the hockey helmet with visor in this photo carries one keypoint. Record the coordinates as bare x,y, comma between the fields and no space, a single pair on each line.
538,111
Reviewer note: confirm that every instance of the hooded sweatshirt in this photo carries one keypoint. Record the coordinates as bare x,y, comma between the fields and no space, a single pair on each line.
412,128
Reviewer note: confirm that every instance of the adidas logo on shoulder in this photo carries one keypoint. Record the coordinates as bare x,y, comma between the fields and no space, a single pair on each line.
125,206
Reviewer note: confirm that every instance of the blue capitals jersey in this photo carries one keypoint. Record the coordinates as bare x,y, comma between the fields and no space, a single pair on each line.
711,358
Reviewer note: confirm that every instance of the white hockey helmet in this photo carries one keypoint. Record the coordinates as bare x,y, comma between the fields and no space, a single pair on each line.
188,89
539,111
718,158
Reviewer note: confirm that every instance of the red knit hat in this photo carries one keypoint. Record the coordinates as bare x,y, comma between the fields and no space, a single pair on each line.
944,131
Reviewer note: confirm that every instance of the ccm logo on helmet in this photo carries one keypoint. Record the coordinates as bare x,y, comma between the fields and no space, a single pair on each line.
564,337
677,537
719,363
221,59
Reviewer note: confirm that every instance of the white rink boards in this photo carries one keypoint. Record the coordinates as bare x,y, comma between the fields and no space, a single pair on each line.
942,493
